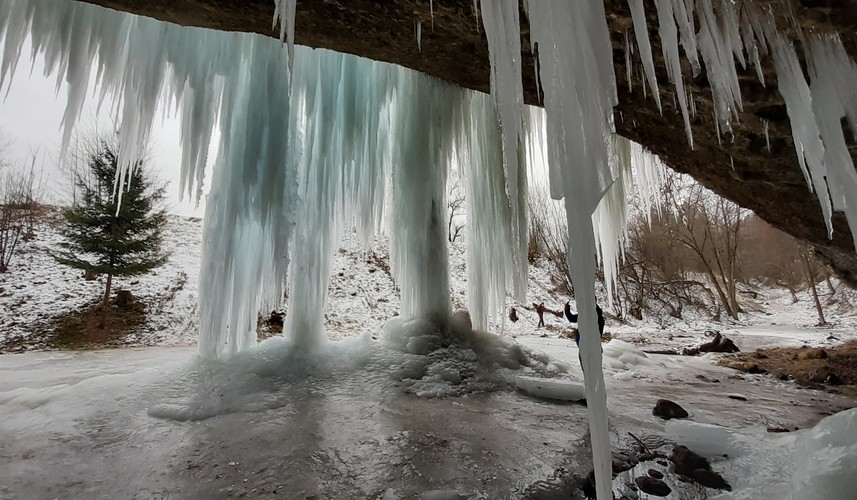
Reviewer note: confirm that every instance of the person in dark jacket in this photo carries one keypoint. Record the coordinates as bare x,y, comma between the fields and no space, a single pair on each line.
572,317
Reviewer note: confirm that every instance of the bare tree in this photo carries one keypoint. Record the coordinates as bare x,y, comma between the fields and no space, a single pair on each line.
655,275
793,265
548,237
455,207
811,278
19,206
710,227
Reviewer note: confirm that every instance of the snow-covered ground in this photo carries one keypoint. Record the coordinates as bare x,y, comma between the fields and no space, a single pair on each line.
363,297
345,423
37,289
366,419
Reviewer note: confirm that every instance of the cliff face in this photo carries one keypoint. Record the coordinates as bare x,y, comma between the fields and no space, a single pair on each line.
737,166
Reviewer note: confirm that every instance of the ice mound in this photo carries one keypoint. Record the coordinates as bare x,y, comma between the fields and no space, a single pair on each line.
813,464
707,439
562,390
826,459
449,359
625,359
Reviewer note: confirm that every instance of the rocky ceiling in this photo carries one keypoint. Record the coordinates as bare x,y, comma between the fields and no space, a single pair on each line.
454,48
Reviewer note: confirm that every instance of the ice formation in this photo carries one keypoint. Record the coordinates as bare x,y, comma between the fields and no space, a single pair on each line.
496,185
312,140
641,32
669,44
573,41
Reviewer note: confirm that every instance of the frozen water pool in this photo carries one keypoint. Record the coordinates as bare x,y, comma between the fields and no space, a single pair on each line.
148,423
143,424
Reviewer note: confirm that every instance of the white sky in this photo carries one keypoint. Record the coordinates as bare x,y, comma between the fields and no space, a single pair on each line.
31,116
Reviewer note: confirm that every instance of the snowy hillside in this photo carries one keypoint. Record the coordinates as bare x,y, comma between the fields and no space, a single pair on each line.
362,297
36,289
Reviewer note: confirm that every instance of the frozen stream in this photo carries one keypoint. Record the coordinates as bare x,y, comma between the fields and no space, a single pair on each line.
148,424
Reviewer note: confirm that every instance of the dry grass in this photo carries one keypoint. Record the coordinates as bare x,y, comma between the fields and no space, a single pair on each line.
819,368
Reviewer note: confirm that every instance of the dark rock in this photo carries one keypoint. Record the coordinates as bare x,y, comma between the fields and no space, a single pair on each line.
778,429
666,410
276,319
710,479
655,474
653,486
686,461
744,366
124,298
719,344
737,397
820,375
833,379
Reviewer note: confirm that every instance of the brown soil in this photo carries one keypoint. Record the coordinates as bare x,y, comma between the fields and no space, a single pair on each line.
833,369
79,329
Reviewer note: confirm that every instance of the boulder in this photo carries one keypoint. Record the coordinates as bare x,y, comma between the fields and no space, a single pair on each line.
692,466
124,298
652,486
686,461
666,409
710,479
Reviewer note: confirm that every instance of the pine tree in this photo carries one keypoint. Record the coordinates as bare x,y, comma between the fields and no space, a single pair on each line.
100,239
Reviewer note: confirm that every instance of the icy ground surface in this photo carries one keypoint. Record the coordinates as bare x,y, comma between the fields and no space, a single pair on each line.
348,423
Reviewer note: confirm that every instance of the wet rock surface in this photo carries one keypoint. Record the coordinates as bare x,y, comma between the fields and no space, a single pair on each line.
666,409
652,486
696,467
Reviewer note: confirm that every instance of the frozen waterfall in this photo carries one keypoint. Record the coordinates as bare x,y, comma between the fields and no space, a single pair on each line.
312,141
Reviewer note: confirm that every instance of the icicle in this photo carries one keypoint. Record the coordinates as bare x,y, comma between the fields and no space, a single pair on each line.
749,39
807,137
610,216
669,45
490,263
649,177
833,74
717,53
502,29
642,34
683,10
628,67
419,34
284,13
431,10
767,138
580,92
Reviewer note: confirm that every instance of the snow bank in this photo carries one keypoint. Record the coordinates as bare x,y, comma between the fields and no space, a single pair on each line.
814,464
562,390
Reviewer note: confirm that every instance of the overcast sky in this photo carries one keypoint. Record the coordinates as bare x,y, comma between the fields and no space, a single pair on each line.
30,119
